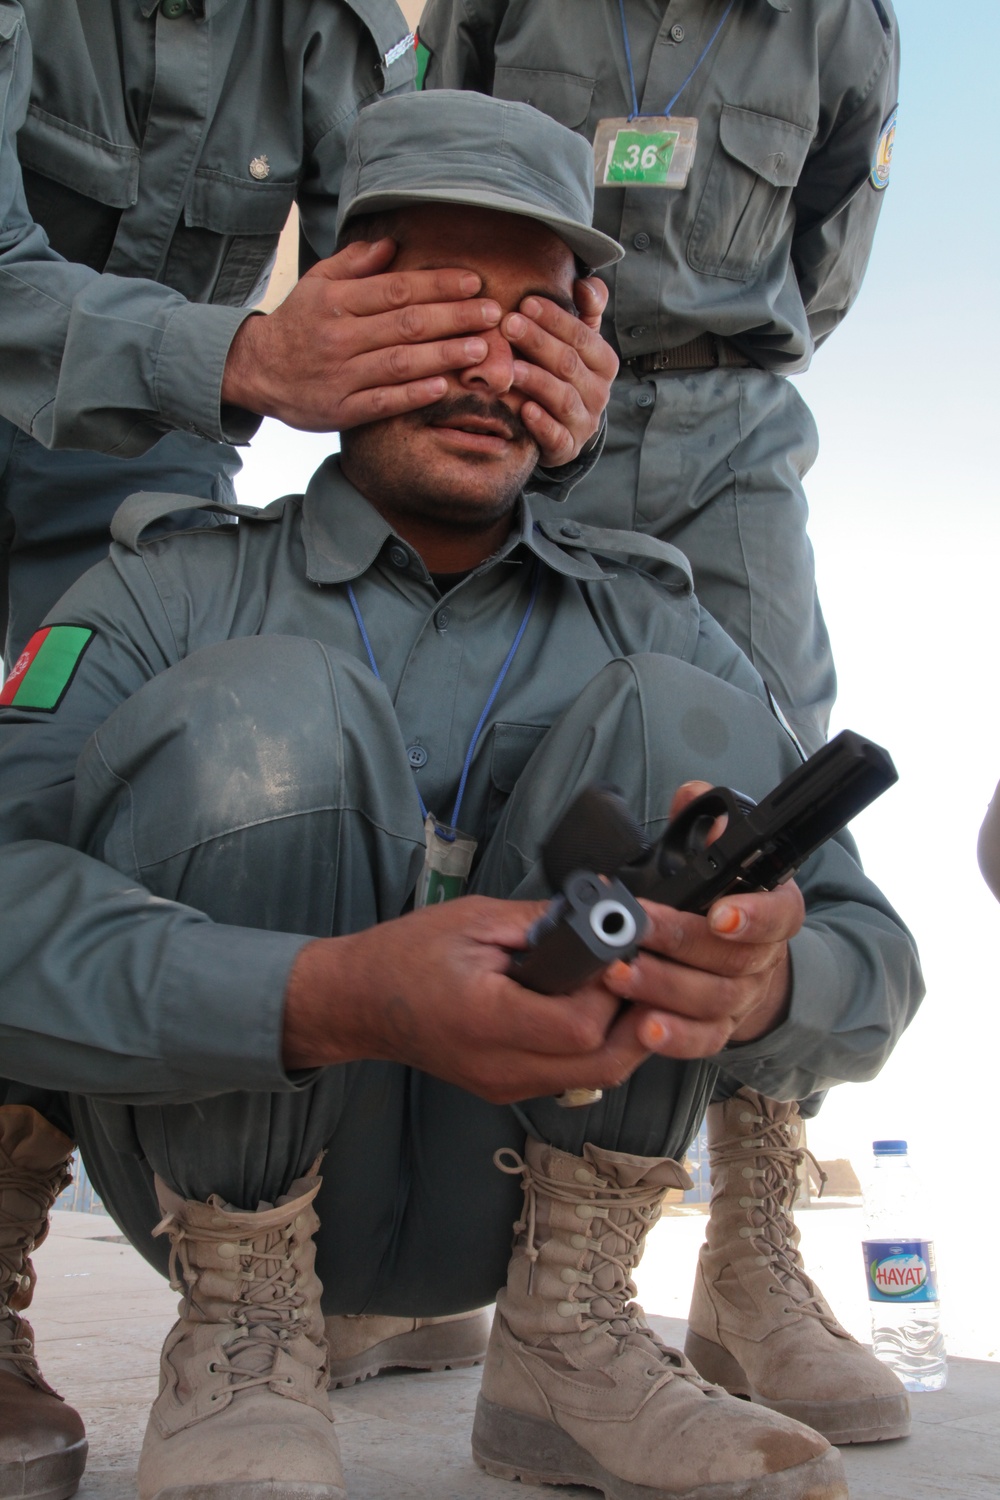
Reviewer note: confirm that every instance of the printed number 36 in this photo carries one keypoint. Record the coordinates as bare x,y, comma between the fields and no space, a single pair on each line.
646,158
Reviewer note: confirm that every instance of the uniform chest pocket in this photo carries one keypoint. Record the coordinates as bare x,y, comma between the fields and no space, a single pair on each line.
512,748
563,96
745,206
247,217
78,159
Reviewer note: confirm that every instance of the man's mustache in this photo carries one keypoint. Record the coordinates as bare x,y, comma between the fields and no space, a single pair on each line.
443,413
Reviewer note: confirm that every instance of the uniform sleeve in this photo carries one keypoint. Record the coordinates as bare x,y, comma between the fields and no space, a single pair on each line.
840,195
105,989
460,36
369,55
89,360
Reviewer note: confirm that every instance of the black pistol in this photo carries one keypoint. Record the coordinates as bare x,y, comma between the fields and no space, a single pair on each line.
598,847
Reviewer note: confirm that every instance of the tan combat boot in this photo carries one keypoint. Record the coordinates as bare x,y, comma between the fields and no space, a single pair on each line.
578,1390
361,1345
42,1444
758,1324
243,1412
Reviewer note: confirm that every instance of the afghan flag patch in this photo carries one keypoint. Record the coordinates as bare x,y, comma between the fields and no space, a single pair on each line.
423,58
45,668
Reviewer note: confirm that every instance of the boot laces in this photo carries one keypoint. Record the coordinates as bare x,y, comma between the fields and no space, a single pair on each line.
17,1343
630,1213
265,1309
773,1231
20,1235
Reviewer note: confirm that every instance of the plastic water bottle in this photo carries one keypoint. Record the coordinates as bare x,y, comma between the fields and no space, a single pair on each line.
901,1272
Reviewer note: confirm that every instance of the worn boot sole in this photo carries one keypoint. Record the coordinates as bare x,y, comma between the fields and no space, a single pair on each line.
453,1345
252,1489
871,1419
514,1446
54,1476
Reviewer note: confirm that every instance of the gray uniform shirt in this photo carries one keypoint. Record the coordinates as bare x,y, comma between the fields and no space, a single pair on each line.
105,989
162,147
768,242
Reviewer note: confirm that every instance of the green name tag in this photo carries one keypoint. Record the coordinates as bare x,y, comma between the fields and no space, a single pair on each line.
641,158
447,863
651,151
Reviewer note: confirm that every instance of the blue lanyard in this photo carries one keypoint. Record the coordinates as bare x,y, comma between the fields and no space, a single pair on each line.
446,833
705,51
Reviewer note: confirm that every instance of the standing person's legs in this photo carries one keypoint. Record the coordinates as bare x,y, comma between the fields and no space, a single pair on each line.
56,510
713,462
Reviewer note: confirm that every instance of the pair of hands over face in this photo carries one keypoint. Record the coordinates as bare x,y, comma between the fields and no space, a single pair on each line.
431,990
354,342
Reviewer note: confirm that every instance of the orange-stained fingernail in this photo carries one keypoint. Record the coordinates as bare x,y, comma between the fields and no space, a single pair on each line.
728,919
653,1032
620,973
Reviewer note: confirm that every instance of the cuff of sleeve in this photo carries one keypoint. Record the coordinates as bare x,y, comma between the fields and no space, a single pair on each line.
222,1032
790,1047
189,369
556,484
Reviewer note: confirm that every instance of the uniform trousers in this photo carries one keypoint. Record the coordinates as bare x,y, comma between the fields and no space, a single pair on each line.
713,462
264,781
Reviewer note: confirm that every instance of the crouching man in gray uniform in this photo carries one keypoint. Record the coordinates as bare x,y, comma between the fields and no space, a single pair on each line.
223,764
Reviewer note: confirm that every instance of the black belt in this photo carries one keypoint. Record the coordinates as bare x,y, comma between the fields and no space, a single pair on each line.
706,352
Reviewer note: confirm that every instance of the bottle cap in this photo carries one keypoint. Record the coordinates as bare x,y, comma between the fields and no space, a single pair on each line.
889,1148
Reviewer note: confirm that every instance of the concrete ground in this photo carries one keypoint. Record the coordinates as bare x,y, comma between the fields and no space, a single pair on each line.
101,1313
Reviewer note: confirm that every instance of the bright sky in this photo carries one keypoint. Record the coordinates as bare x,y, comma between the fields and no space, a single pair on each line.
906,527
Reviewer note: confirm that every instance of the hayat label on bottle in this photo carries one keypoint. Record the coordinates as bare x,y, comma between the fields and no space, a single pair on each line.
900,1270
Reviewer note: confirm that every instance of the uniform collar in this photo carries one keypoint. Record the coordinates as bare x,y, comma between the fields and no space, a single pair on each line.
344,535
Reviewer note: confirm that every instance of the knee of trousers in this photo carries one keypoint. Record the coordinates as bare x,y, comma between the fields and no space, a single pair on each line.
646,724
265,763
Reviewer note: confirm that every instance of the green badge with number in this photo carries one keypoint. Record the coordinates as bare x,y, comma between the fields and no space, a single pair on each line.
650,151
641,158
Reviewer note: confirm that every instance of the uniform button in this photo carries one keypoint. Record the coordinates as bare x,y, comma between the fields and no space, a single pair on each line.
637,332
442,619
641,241
677,33
644,398
570,529
417,756
173,8
399,557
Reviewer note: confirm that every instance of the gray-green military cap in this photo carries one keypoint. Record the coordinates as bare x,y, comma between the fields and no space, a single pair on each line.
451,146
